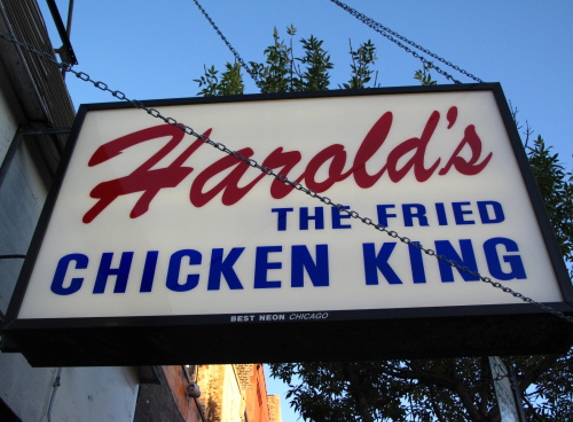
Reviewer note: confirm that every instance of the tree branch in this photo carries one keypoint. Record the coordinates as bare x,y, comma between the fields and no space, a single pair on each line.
356,392
465,396
434,405
532,374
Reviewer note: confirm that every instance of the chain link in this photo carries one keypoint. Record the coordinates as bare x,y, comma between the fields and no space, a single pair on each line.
229,46
282,178
390,34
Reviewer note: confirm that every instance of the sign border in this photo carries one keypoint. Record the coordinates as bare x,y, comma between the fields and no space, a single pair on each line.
28,335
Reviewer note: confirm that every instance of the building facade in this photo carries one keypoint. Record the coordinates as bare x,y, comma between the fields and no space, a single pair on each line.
207,393
36,112
36,115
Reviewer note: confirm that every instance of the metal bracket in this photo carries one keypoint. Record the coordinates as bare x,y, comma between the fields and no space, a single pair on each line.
17,141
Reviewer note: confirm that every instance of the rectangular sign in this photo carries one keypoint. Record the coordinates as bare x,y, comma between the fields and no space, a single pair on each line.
504,390
148,221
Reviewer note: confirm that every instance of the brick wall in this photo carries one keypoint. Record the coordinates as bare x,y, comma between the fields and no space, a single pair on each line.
178,382
220,397
166,400
274,408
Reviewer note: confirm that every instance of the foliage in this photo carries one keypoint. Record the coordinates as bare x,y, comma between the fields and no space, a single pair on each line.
315,76
545,384
283,71
278,73
424,76
231,82
362,59
418,390
394,390
459,389
556,186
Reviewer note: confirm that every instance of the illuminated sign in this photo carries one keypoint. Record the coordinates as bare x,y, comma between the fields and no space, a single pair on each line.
148,221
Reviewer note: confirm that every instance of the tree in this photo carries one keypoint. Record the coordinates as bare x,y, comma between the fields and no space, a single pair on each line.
556,186
231,82
362,59
421,390
282,71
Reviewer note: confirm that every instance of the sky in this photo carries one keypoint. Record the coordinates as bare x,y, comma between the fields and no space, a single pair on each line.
155,49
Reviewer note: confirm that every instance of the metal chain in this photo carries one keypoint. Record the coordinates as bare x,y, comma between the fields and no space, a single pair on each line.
228,44
388,33
282,178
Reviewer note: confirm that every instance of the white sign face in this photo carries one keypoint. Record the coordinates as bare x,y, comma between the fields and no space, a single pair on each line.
503,390
149,221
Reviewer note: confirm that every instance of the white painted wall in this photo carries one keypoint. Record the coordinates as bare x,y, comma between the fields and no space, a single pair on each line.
233,400
21,198
8,126
86,394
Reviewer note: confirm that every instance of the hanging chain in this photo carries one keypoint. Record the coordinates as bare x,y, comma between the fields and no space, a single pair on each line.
228,44
390,34
282,178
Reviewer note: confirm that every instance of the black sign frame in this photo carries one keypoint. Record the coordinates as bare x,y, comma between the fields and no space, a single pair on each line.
295,336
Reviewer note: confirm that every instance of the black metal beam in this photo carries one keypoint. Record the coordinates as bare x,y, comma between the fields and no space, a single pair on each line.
67,45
